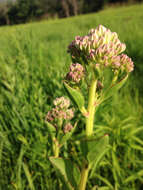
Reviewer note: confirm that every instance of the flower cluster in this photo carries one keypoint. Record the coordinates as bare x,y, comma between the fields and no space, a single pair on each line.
76,73
123,62
126,63
101,46
61,111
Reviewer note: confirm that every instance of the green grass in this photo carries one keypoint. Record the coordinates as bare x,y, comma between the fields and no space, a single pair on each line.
33,61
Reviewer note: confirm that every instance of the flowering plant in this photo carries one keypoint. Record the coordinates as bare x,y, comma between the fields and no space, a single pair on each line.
94,57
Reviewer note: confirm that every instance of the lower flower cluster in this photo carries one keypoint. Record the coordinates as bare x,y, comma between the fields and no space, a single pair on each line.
61,112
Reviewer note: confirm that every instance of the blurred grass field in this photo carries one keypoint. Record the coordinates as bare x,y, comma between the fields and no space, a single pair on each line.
33,61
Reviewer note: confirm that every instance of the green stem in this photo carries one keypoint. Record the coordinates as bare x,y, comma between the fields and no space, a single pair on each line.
89,130
56,147
84,177
91,108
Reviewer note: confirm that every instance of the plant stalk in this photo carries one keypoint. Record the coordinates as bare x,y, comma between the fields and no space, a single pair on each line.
91,108
56,148
89,130
84,177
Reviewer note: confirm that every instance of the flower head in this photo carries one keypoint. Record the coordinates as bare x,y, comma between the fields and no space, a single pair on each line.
100,46
60,111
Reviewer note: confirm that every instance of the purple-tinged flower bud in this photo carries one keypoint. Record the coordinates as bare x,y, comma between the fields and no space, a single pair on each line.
92,54
126,63
69,114
61,114
92,31
100,86
67,128
85,39
123,47
99,52
105,61
114,36
111,52
101,29
88,46
120,48
77,38
100,42
55,113
97,65
80,45
93,44
49,116
123,58
130,66
116,64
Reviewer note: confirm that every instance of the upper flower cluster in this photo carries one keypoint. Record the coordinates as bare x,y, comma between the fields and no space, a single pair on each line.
101,46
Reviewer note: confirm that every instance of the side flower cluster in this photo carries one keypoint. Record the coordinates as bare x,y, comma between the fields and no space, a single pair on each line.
60,112
76,73
101,46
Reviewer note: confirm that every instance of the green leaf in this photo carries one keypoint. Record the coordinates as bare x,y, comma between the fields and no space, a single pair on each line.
98,159
68,171
94,149
105,181
76,96
116,165
107,93
136,147
103,188
134,176
19,166
6,85
86,144
22,139
133,132
138,140
97,151
28,175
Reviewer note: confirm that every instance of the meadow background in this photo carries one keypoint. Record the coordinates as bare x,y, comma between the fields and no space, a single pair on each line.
33,62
